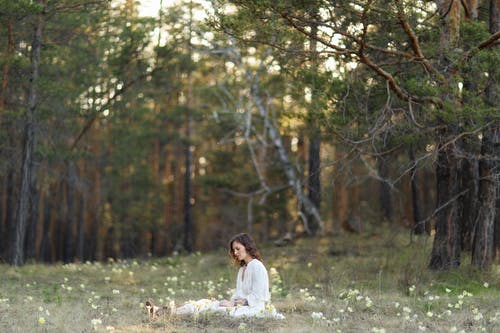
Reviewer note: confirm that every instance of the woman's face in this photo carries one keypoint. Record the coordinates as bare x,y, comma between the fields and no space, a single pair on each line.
240,252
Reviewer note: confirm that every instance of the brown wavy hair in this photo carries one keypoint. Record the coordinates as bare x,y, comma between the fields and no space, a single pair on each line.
247,241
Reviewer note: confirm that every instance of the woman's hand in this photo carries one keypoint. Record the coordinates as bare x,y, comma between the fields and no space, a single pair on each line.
226,303
236,302
240,302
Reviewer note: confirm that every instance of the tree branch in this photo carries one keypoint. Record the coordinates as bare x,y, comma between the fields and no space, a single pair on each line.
492,41
415,44
403,95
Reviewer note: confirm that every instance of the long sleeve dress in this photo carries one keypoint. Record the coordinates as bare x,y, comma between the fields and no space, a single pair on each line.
252,285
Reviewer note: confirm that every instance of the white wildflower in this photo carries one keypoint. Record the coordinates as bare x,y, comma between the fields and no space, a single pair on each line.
317,315
96,322
378,330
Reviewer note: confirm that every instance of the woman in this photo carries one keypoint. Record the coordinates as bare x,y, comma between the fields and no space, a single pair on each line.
251,296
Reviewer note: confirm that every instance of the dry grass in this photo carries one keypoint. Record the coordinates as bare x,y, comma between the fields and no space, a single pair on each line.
359,283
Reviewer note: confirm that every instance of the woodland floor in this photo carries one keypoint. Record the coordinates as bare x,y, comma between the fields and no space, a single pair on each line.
373,282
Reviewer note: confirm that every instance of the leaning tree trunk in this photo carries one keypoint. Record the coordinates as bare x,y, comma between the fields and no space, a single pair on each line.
28,168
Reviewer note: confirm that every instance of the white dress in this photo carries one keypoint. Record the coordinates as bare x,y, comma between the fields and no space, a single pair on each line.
253,286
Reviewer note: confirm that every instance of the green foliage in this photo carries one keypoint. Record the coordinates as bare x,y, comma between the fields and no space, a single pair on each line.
19,9
51,294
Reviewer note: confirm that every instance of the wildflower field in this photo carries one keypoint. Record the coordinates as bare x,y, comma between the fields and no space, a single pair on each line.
336,283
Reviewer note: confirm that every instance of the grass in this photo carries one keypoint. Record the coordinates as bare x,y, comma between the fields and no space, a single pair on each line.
374,282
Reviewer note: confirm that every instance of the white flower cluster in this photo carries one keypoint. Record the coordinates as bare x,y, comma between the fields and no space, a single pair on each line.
318,316
354,294
306,296
276,282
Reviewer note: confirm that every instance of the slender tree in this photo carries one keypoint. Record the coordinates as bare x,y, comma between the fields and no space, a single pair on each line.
28,168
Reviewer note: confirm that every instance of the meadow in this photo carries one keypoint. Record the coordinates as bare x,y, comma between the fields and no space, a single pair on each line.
372,282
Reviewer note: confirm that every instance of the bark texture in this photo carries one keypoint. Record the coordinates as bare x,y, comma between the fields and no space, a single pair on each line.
28,168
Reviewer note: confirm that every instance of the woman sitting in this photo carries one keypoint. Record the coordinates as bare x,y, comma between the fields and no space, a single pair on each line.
251,297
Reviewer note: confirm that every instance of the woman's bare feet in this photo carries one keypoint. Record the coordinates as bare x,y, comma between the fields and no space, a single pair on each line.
150,308
155,311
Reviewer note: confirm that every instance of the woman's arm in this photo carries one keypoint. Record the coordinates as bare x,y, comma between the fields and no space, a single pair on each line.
259,289
235,302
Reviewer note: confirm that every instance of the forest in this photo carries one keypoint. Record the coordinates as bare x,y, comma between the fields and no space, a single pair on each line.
125,135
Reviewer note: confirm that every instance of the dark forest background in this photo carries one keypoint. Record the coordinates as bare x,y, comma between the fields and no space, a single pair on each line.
127,136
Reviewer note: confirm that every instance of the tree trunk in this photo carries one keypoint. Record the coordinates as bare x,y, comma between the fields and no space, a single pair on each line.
314,181
471,8
483,249
59,218
10,209
314,158
492,96
446,247
469,169
497,216
80,228
188,190
30,246
12,201
3,223
385,195
44,251
469,181
68,252
340,195
447,244
419,227
28,168
188,183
